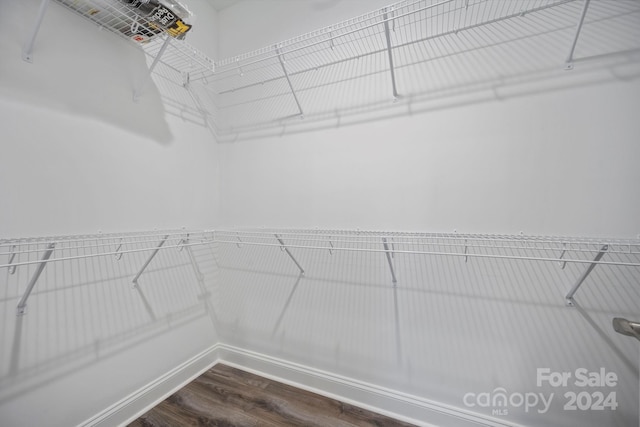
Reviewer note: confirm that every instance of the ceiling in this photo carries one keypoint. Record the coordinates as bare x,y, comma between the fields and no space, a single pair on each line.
222,4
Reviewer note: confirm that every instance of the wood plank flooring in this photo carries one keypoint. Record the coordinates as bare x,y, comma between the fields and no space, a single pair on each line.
224,396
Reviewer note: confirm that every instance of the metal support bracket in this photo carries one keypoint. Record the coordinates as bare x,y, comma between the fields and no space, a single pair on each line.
196,269
388,254
27,49
22,304
466,251
563,264
184,244
12,268
117,254
569,61
153,254
390,54
138,92
576,286
284,248
286,75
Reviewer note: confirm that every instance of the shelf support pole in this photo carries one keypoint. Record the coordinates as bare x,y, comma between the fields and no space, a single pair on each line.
137,92
386,251
390,54
284,248
576,286
12,268
286,75
196,269
569,61
27,49
153,254
21,309
194,263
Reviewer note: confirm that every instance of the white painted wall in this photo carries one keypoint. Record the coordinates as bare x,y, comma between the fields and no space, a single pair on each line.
79,156
551,164
558,162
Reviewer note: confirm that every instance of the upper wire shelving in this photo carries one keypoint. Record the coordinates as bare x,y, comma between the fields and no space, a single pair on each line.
184,62
393,60
412,51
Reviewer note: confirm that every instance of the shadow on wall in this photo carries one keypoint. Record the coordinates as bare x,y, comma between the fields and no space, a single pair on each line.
84,310
78,70
422,57
448,327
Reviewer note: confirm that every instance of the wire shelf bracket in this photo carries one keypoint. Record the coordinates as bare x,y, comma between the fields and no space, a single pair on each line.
569,61
563,264
27,50
569,298
286,75
184,243
21,309
138,92
388,254
12,268
284,248
390,54
146,264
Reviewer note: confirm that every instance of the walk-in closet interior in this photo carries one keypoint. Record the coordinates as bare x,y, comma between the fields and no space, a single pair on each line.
428,209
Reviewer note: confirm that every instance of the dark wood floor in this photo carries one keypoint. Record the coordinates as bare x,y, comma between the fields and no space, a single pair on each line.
225,396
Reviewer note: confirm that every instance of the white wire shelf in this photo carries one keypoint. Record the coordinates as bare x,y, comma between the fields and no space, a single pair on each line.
622,252
36,253
118,18
97,245
412,50
391,61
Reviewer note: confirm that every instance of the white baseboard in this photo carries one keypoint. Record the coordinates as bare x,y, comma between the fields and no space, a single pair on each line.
140,401
393,403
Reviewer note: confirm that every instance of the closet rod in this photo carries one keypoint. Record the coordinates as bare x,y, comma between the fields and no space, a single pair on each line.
440,253
463,242
121,242
117,252
93,237
375,234
562,250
